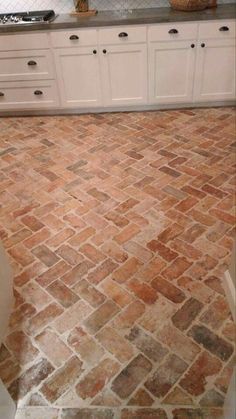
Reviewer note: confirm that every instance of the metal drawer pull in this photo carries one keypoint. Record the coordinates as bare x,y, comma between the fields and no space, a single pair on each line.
224,29
203,45
192,45
94,51
74,37
173,31
123,35
31,62
38,92
104,51
1,94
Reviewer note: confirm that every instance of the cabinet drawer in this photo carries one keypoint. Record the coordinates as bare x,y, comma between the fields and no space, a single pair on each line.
122,34
24,41
74,38
173,32
26,65
222,29
28,95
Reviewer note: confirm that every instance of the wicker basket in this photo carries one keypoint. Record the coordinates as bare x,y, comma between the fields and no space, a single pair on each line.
189,5
81,5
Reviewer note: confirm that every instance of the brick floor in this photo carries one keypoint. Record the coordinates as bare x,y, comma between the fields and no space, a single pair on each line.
119,228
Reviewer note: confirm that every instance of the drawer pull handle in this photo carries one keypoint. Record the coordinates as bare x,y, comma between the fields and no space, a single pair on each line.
224,29
38,92
1,94
104,51
94,51
203,45
173,31
74,37
192,45
123,35
31,62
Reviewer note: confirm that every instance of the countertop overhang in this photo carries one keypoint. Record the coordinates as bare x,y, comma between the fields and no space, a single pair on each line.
130,17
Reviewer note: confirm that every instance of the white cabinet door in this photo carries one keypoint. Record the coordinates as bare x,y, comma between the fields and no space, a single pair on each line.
79,76
171,71
215,70
124,74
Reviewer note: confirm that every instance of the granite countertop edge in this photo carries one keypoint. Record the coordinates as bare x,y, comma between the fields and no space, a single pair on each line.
132,17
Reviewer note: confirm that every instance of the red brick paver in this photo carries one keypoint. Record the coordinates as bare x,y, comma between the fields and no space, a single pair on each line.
119,228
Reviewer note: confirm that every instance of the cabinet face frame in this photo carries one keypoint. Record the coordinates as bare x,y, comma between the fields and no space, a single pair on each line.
206,70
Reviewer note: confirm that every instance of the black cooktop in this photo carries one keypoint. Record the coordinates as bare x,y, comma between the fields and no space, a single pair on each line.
27,17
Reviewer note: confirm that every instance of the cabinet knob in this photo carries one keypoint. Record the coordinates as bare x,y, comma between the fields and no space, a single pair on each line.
74,37
224,29
171,31
123,35
1,94
94,51
203,45
104,51
38,92
192,45
31,62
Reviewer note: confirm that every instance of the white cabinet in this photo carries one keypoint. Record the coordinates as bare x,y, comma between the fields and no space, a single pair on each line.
28,95
172,53
22,41
191,63
26,65
27,72
79,76
124,74
215,70
124,65
171,72
107,67
116,67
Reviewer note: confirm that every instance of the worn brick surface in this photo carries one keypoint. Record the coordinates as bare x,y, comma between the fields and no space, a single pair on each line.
87,347
116,344
127,381
119,229
60,381
53,347
30,379
195,380
96,379
146,344
187,313
166,375
178,343
144,413
215,344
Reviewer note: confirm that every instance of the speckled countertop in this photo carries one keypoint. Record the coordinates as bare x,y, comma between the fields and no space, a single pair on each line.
130,17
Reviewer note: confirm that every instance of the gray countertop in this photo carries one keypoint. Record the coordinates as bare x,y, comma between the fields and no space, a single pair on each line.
131,17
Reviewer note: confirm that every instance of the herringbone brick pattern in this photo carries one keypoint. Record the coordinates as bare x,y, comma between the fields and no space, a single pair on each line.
119,228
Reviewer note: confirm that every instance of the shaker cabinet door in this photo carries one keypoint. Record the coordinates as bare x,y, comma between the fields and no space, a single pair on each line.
124,74
171,72
79,77
215,70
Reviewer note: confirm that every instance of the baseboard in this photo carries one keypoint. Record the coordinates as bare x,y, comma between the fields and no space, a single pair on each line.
127,108
7,406
230,401
230,292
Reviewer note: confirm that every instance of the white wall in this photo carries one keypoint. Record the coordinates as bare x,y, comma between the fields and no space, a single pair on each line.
65,6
